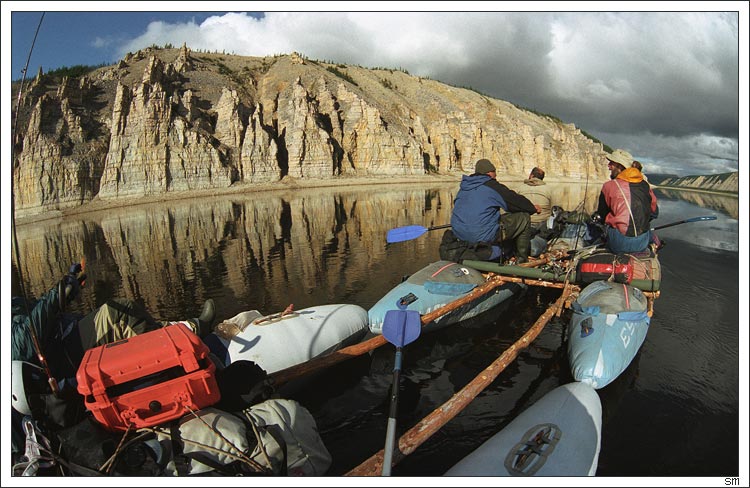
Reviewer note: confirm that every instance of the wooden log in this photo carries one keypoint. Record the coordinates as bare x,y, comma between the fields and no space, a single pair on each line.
530,281
418,434
288,374
315,364
546,275
494,280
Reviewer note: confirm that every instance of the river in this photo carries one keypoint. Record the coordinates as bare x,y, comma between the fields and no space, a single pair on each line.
673,413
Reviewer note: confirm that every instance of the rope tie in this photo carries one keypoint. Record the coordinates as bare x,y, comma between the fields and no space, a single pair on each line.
106,468
258,468
258,439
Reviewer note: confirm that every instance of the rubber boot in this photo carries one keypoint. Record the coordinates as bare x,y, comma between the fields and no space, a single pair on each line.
200,326
206,319
516,229
523,245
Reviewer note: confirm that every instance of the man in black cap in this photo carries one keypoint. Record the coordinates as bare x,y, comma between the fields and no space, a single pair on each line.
477,218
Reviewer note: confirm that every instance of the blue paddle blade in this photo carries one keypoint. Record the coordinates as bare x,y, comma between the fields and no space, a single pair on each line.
697,219
400,234
693,219
401,327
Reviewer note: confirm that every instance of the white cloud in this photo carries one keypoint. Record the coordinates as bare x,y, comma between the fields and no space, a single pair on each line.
101,42
618,76
694,154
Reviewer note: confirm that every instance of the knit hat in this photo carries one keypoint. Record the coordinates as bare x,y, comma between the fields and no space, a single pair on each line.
620,157
484,166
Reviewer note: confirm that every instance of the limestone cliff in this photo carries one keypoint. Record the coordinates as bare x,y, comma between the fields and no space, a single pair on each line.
164,121
725,182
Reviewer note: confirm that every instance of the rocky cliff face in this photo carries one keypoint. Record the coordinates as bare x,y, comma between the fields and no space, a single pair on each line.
171,120
727,182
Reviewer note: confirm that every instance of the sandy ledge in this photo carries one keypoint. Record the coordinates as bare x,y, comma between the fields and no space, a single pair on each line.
286,184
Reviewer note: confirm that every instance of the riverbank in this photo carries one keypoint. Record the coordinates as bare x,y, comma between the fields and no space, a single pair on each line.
286,184
698,190
289,183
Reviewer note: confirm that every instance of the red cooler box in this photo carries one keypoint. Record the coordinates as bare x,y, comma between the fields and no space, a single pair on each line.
148,379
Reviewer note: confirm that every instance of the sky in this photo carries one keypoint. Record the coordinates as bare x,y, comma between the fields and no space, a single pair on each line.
667,86
671,87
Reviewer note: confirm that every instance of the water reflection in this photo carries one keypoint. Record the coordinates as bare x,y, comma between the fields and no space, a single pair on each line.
570,196
725,204
310,247
263,251
266,250
719,234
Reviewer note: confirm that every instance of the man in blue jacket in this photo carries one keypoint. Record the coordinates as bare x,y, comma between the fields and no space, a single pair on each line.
477,218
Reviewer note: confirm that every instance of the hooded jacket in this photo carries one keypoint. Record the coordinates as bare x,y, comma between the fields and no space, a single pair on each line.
537,192
476,209
628,190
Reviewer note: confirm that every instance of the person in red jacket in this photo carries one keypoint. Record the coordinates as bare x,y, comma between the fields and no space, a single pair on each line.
627,205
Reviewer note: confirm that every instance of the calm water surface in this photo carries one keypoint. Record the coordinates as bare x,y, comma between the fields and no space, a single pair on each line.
673,412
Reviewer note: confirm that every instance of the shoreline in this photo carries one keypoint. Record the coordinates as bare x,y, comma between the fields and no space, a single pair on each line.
700,190
285,184
290,183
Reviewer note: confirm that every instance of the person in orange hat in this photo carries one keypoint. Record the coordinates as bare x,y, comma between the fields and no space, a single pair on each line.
627,205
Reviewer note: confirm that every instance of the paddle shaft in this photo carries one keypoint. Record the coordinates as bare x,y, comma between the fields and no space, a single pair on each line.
315,364
410,232
418,434
695,219
436,227
390,435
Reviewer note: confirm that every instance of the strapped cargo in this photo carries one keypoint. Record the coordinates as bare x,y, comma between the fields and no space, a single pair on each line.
604,267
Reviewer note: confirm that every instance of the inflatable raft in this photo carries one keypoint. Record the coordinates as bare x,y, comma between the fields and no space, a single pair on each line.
609,324
559,435
435,286
282,340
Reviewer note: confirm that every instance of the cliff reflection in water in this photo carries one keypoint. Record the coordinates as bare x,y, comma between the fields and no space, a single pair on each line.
725,204
262,251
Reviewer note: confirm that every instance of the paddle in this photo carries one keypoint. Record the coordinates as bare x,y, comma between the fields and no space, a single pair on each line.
694,219
400,327
409,232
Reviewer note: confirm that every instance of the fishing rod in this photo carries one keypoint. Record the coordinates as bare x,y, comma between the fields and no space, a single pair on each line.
582,205
30,324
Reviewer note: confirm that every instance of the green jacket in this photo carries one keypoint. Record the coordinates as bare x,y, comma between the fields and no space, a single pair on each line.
56,331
